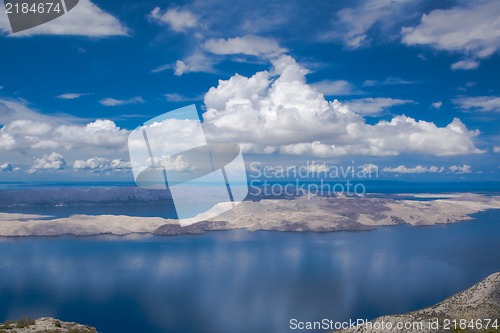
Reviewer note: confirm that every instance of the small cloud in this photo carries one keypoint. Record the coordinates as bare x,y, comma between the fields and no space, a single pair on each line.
179,163
119,102
197,62
335,88
72,95
373,106
52,161
317,168
417,169
479,103
181,98
496,149
465,65
7,167
437,105
461,169
248,45
179,20
390,81
161,68
101,164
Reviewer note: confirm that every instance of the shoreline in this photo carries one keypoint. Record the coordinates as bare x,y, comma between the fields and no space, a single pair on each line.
301,214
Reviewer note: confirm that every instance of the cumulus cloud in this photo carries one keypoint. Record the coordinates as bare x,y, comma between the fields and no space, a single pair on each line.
335,87
317,167
417,169
374,106
479,103
277,111
460,169
179,163
248,44
101,164
86,19
496,149
177,19
25,129
119,102
472,29
437,105
52,161
465,65
72,95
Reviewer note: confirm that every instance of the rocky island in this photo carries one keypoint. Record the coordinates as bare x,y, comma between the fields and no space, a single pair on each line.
304,213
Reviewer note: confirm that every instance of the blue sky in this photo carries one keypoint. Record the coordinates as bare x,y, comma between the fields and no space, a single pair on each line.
416,84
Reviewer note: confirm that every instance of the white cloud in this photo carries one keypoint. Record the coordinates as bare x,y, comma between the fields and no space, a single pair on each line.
197,62
279,112
352,25
7,167
86,19
52,161
390,81
177,19
417,169
317,168
465,65
161,68
437,105
335,88
479,103
181,98
461,169
25,129
119,102
248,44
72,95
179,163
373,106
496,149
473,29
370,169
101,164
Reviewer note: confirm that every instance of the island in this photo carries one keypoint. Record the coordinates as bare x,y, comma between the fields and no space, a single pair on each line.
299,214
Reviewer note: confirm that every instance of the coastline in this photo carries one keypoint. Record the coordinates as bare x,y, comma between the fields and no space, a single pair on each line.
305,213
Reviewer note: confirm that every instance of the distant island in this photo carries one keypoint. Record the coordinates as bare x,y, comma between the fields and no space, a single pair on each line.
476,309
304,213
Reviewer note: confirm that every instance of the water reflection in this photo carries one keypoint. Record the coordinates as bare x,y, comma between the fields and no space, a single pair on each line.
237,281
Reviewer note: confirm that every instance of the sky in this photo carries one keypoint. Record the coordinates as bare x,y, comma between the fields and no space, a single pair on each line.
410,87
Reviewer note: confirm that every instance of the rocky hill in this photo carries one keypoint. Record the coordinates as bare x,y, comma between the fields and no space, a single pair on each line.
44,325
476,309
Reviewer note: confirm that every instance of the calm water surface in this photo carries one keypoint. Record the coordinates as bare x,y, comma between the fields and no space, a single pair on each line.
238,281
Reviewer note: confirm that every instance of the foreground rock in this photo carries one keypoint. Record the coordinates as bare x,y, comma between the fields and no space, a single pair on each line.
478,308
44,325
304,213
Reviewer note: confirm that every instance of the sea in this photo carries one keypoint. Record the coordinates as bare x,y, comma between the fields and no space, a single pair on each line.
240,281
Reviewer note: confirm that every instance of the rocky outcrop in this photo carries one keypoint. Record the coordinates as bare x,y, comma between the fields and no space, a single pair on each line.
44,325
474,308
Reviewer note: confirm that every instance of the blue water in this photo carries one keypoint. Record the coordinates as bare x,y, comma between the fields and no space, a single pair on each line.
238,281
